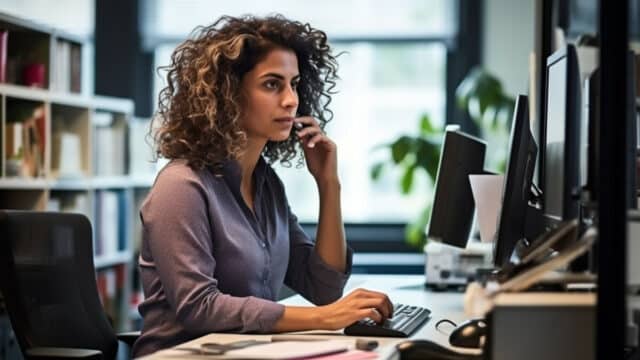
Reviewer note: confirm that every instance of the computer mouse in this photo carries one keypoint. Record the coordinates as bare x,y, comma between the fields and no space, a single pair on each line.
469,334
425,349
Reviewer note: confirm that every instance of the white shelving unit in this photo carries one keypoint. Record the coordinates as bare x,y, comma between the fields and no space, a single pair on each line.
62,149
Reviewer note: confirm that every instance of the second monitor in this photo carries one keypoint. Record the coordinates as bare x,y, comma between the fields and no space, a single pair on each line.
453,206
516,191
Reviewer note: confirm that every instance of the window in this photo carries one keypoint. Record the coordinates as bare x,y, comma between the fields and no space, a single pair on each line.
383,91
393,70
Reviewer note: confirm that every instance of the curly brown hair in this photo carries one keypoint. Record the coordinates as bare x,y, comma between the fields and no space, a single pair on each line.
200,107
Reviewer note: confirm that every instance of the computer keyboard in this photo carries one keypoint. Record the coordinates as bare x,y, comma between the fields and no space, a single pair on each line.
406,320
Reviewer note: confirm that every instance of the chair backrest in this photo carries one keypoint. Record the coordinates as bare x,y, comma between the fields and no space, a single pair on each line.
48,282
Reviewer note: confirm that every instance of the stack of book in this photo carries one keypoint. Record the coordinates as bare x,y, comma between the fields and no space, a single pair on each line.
110,222
66,74
25,145
109,140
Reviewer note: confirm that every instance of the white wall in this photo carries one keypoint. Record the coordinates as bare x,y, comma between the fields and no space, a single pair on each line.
73,16
508,40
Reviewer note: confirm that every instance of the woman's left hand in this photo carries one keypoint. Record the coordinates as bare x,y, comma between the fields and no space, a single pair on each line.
319,151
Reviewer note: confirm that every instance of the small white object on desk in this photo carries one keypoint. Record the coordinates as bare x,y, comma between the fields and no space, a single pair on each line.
487,194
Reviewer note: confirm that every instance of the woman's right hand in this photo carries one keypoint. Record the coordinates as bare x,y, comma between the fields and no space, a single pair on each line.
359,304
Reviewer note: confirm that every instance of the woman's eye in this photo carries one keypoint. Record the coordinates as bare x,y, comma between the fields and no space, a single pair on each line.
294,86
271,84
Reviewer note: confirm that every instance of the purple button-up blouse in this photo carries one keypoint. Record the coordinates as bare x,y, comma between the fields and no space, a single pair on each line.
210,264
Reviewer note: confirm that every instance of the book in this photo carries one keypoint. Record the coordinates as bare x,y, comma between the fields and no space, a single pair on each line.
75,59
122,220
109,222
66,154
13,146
61,74
4,38
110,283
97,226
110,142
32,154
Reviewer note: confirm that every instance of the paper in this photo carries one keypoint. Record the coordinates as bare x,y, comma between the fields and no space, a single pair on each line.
487,193
289,350
271,350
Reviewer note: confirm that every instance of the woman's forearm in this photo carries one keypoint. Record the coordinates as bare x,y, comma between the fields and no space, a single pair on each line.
330,240
299,318
357,305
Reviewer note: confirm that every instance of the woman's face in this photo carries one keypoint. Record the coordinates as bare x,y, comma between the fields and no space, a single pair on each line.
270,96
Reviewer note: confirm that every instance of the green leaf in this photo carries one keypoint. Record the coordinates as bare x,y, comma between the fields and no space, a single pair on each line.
466,89
489,118
489,92
376,170
407,179
428,156
478,92
426,127
400,148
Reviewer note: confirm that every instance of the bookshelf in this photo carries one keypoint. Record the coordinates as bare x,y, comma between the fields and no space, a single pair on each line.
63,149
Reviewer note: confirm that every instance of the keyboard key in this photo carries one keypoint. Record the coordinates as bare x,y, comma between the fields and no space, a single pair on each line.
405,321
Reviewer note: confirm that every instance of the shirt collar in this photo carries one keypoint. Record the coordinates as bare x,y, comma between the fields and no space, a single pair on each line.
232,173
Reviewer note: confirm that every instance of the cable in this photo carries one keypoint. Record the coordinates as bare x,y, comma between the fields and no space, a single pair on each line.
445,321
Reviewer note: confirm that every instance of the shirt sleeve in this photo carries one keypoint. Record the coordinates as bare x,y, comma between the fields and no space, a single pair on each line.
308,274
179,233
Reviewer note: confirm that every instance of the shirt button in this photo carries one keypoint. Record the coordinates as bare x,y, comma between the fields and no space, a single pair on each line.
263,244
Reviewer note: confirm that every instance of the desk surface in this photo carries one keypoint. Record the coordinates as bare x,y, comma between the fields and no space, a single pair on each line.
406,289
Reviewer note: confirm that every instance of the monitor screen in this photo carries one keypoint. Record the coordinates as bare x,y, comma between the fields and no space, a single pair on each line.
554,142
561,138
516,190
453,206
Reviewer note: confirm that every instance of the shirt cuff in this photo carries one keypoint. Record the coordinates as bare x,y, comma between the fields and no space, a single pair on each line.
327,275
268,313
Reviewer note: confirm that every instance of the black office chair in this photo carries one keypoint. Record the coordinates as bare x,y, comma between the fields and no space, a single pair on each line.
48,282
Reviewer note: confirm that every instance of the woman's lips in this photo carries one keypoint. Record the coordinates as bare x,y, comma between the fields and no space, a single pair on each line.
286,119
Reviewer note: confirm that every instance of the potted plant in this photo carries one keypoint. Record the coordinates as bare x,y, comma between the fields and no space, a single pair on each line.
480,94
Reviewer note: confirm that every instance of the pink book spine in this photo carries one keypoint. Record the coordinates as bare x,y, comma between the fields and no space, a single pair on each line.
4,35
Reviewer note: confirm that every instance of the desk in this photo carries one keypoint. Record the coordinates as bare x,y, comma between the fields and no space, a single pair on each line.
406,289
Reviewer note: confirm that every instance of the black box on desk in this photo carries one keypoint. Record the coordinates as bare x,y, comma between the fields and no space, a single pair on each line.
548,326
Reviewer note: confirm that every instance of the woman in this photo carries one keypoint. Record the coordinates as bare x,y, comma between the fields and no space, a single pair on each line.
219,238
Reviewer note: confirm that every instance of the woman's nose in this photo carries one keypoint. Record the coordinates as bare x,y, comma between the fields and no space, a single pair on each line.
290,97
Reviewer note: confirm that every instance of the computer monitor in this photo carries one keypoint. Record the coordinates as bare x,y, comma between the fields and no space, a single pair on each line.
453,206
560,163
592,101
516,190
590,166
632,130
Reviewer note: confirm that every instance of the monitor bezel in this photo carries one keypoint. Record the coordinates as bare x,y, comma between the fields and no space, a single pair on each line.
523,150
571,162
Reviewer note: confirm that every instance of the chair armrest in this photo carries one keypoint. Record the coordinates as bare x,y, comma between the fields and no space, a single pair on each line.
56,353
128,337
